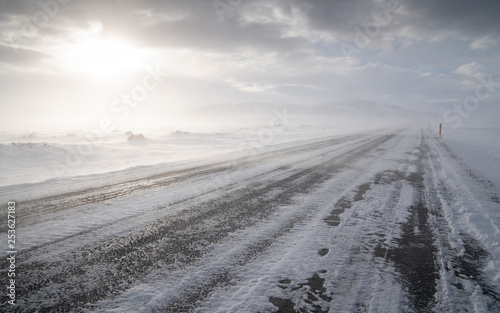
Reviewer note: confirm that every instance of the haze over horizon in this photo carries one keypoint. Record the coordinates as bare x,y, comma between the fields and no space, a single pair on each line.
250,156
70,64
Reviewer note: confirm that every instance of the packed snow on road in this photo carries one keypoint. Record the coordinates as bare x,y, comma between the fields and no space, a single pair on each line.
381,220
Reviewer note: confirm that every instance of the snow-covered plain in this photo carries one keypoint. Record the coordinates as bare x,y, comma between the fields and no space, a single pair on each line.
37,156
479,148
339,217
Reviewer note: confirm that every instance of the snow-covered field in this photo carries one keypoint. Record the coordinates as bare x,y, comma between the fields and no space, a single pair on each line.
307,219
35,157
479,148
38,156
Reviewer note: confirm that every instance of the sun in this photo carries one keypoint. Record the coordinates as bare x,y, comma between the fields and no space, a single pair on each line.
105,58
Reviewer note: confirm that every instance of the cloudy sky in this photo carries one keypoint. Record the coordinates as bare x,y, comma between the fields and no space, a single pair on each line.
69,63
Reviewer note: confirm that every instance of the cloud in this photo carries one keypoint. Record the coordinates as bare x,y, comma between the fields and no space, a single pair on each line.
484,43
21,56
264,50
276,25
470,69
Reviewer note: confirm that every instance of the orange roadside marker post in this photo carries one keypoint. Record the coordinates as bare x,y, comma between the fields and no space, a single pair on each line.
440,130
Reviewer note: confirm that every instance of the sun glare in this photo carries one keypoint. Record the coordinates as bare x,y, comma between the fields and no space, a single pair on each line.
103,57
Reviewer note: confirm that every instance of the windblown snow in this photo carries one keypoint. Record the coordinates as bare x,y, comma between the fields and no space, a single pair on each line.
278,217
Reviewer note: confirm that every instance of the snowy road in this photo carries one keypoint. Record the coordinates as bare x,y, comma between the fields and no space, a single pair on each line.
388,221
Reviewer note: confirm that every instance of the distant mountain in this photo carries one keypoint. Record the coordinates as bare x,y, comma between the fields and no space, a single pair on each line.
360,107
241,109
352,108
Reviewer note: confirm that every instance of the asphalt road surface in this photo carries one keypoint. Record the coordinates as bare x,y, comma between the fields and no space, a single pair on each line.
366,222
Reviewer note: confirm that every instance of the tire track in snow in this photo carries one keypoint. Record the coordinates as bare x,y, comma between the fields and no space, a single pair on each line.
301,222
465,286
34,211
368,253
419,256
94,273
187,199
351,237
